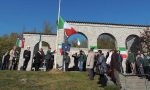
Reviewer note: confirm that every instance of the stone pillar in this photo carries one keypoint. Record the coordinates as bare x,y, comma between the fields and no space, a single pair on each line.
21,60
59,40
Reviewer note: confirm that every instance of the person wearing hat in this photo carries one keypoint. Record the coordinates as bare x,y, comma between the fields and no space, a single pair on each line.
26,56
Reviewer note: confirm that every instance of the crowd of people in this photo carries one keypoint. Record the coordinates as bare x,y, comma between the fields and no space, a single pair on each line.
110,64
95,63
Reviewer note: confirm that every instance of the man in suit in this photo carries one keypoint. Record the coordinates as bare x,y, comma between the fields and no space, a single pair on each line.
38,59
26,56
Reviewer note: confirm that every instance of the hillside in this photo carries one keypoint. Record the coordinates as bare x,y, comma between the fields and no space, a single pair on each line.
54,80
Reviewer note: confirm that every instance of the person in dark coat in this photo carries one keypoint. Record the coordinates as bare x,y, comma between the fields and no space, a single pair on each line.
49,59
75,56
139,63
102,67
38,59
26,56
115,68
82,59
5,63
131,59
146,64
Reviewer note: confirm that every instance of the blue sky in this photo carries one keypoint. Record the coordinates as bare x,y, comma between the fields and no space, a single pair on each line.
17,14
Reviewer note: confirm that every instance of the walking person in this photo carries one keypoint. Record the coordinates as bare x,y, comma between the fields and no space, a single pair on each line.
26,56
90,63
66,61
115,68
102,67
12,58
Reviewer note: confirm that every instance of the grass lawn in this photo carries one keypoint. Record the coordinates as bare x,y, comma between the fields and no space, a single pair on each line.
54,80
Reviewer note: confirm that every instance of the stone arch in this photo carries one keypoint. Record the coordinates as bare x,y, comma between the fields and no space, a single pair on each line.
73,39
106,41
133,43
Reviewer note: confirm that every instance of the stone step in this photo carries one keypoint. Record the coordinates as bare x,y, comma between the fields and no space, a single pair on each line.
134,83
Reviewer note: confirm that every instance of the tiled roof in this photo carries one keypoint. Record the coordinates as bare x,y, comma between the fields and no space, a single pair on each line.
134,25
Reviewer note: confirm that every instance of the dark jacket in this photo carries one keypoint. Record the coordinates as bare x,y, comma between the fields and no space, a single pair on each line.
38,57
49,55
131,58
66,59
146,61
101,63
27,54
139,60
115,63
82,57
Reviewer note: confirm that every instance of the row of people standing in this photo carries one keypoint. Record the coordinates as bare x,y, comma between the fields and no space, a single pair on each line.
40,59
99,61
10,60
79,61
138,63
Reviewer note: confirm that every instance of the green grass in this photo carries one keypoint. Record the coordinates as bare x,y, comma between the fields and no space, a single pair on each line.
54,80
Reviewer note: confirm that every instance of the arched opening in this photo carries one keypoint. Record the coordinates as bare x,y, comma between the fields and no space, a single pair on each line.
45,47
133,43
78,40
106,41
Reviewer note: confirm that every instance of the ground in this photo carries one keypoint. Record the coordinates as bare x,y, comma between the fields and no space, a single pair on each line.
54,80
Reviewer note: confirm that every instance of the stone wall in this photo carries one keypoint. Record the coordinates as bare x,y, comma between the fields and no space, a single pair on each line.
31,40
91,31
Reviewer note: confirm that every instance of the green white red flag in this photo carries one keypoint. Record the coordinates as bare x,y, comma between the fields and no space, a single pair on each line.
20,42
69,30
123,52
78,42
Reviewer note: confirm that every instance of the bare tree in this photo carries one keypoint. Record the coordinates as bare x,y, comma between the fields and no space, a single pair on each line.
145,40
47,28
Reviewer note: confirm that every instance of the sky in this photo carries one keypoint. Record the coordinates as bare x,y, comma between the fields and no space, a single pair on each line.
25,15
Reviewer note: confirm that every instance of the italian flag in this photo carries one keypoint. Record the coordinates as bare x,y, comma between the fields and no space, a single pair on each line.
78,42
20,42
69,30
123,52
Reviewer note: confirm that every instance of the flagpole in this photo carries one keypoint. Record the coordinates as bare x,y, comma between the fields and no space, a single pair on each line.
59,2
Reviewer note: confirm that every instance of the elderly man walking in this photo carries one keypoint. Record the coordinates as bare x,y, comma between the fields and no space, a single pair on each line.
90,64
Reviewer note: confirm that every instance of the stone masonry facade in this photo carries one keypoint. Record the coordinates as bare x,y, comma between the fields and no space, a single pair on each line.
90,30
